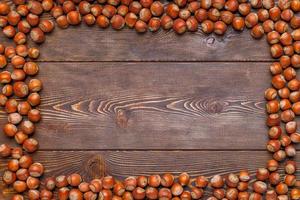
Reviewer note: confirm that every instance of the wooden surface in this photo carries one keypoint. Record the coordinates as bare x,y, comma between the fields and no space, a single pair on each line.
121,103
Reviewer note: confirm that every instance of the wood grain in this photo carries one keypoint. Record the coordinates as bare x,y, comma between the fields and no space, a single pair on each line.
95,44
121,164
153,106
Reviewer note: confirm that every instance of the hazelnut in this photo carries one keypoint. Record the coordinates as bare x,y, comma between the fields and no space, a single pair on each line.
272,106
151,193
154,24
63,193
270,94
257,32
50,183
176,189
231,5
279,155
157,8
61,181
201,182
220,28
75,194
238,23
32,183
36,170
207,26
295,137
281,26
232,193
9,31
196,193
130,183
74,18
37,35
20,38
34,99
165,193
295,193
4,8
276,50
108,182
273,145
166,22
18,61
268,26
217,181
20,89
10,129
154,180
232,180
9,177
271,194
13,165
278,81
102,21
285,104
138,193
281,188
30,145
275,132
219,193
57,11
62,22
25,161
19,186
74,180
122,10
184,179
33,194
140,26
172,10
32,20
167,180
68,6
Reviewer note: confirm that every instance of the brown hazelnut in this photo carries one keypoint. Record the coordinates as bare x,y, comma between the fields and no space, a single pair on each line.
167,180
108,182
25,161
184,179
102,21
61,181
32,183
74,18
140,26
176,189
138,193
4,8
281,188
172,10
9,177
36,170
166,22
19,186
217,181
220,28
207,26
74,180
154,24
30,145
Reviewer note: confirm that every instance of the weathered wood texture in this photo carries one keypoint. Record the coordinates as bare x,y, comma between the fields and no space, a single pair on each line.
121,164
153,106
127,45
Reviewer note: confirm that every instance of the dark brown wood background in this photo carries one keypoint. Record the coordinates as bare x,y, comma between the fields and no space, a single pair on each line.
121,103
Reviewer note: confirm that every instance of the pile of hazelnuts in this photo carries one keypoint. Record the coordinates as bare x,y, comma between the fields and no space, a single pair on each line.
20,94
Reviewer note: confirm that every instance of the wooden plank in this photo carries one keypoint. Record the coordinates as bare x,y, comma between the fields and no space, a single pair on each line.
121,164
94,44
153,106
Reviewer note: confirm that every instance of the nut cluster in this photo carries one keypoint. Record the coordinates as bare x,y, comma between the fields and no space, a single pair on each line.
20,97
